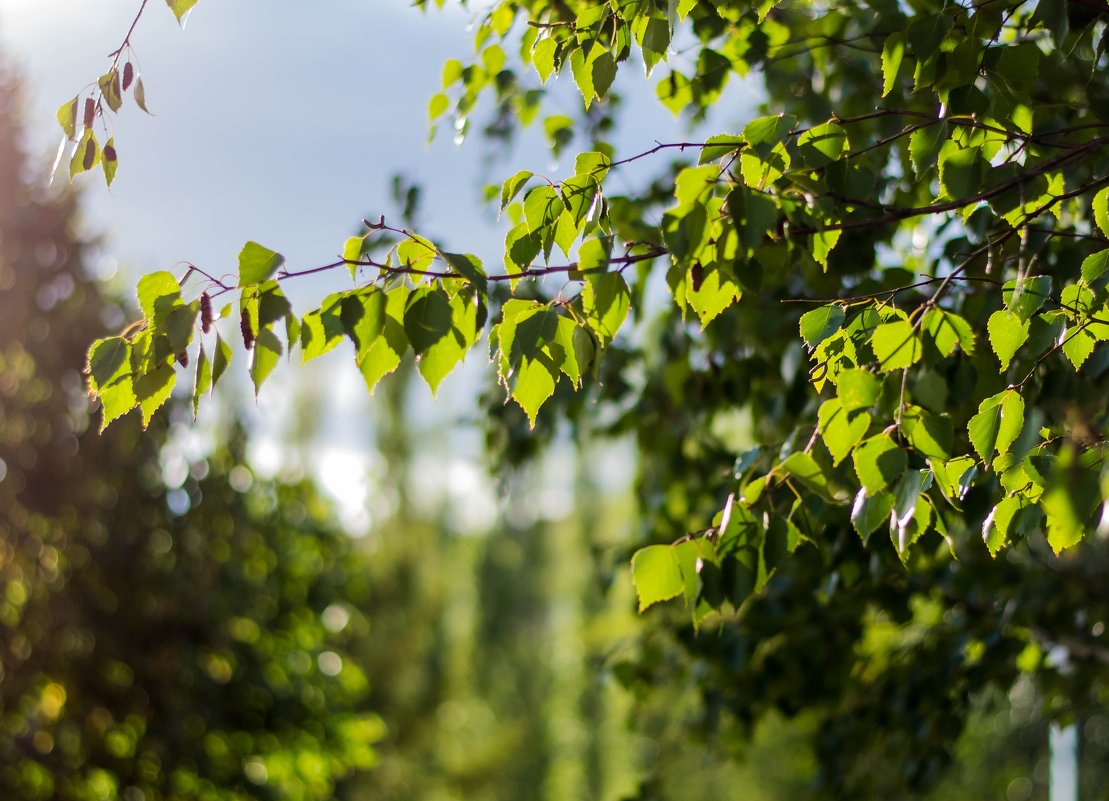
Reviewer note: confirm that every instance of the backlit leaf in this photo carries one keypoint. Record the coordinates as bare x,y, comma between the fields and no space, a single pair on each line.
656,574
264,357
1007,333
257,263
879,463
997,424
896,345
819,324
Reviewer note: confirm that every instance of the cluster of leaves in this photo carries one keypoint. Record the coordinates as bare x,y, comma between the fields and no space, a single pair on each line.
413,306
936,183
104,97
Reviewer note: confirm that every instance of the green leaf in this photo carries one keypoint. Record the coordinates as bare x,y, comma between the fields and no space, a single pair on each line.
819,324
452,72
574,349
656,574
109,372
961,170
110,161
1024,296
153,389
441,358
755,215
948,331
656,36
605,300
1095,266
1072,500
86,155
718,147
521,247
322,329
542,207
158,294
578,193
110,89
879,463
713,293
374,321
930,435
906,519
693,184
1053,15
1008,518
1007,333
822,144
543,57
924,147
469,267
512,187
203,381
437,106
896,345
822,244
857,389
1078,344
1101,210
997,424
180,7
354,251
594,164
805,469
594,254
582,70
954,477
221,359
765,133
416,253
870,510
840,430
67,117
535,383
257,263
264,357
427,318
893,51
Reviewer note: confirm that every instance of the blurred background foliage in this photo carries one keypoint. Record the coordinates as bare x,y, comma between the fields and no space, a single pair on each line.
174,627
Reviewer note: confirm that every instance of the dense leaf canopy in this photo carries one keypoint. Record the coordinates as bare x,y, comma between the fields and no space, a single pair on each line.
886,315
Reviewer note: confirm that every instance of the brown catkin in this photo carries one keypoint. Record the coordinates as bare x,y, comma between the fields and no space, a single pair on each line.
205,312
90,112
128,75
248,334
183,358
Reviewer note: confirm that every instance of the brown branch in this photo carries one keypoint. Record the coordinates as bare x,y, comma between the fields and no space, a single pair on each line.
955,205
531,272
118,52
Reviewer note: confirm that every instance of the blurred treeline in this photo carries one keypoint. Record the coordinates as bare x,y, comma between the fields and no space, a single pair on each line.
175,629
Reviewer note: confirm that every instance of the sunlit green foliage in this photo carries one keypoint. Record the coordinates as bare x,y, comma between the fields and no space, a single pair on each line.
948,132
883,346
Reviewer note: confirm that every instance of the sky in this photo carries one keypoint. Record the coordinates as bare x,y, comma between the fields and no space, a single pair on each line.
283,122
